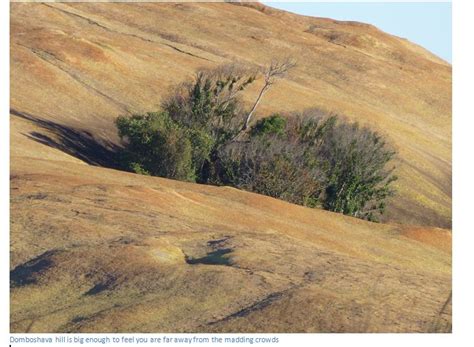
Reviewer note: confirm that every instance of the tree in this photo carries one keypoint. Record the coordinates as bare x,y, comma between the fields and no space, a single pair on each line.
210,110
274,124
276,69
355,163
313,158
156,146
269,164
211,101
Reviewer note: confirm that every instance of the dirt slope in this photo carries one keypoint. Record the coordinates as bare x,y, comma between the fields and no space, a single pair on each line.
94,249
83,64
100,250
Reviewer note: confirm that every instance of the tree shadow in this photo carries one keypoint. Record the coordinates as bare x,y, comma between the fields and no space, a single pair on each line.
78,143
28,272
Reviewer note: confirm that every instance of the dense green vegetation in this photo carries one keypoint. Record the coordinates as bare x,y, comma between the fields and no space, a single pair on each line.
312,159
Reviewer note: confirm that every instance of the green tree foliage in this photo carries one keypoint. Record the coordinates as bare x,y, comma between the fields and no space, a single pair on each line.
274,124
156,146
181,141
312,159
315,160
210,103
355,163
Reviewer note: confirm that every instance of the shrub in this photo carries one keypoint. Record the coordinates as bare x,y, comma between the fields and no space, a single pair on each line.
271,125
275,160
211,102
355,163
270,166
156,146
313,159
209,110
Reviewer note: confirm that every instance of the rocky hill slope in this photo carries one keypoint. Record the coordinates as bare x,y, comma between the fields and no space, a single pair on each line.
94,249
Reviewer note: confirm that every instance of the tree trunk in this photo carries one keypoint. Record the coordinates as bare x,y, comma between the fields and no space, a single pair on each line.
249,116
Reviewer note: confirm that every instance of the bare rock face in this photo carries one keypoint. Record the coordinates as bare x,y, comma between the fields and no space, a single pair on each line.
98,250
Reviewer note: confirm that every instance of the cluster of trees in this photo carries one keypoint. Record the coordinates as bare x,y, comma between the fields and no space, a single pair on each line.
203,134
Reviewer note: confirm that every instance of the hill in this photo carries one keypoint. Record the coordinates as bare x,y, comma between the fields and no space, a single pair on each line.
97,250
83,64
94,249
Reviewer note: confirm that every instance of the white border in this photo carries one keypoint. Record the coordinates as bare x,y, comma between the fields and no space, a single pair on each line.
463,173
463,169
5,165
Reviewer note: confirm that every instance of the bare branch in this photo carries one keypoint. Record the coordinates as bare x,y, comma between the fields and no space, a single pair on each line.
276,70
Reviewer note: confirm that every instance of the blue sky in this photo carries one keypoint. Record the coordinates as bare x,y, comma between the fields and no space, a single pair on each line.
425,23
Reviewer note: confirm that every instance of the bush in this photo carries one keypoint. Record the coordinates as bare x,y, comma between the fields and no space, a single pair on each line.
156,146
271,166
271,125
275,160
354,160
312,159
211,102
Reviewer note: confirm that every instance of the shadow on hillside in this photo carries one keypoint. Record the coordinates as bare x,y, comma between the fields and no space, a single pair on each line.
78,143
28,272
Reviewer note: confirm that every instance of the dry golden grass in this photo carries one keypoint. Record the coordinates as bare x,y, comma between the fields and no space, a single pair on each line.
93,249
83,64
291,268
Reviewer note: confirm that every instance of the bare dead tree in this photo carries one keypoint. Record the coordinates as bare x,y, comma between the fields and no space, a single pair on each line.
276,70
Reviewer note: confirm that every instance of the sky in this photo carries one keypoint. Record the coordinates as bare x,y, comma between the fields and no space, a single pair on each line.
425,23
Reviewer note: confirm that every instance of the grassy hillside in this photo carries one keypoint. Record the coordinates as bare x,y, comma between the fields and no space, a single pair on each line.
95,249
100,250
82,64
